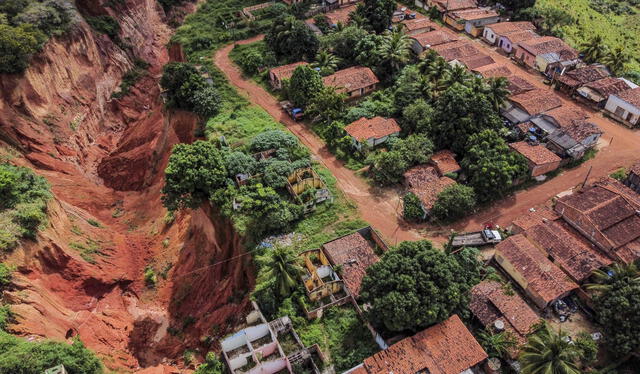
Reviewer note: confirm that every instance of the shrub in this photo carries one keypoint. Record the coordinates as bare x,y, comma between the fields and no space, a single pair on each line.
620,174
17,45
5,316
412,207
105,24
454,202
5,276
187,89
150,278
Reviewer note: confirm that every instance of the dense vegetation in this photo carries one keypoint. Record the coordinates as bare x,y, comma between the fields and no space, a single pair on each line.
187,89
416,285
25,25
23,204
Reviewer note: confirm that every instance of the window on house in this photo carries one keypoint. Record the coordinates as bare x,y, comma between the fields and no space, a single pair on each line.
619,112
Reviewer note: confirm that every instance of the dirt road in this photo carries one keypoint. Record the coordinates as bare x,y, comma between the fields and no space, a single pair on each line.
382,209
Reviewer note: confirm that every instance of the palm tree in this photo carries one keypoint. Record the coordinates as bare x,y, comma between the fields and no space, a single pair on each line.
594,50
426,59
616,60
497,91
327,62
602,279
496,345
282,266
394,51
457,74
547,352
438,70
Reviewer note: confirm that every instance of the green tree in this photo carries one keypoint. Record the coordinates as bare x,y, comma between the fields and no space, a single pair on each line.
291,39
305,83
496,344
240,163
105,24
394,52
261,210
5,276
326,105
21,356
603,279
457,74
417,117
52,17
17,45
281,266
587,349
388,167
276,173
490,165
367,51
497,91
211,365
416,285
343,43
594,49
273,139
377,14
327,62
187,89
206,101
548,352
415,149
454,202
193,173
616,60
412,207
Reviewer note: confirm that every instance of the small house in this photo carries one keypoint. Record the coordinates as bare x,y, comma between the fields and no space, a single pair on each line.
426,184
569,81
445,162
625,106
422,42
509,41
556,118
537,53
492,33
448,344
522,107
597,92
475,61
530,268
355,81
575,139
472,21
418,26
540,160
633,179
340,16
323,286
446,5
374,131
457,50
279,74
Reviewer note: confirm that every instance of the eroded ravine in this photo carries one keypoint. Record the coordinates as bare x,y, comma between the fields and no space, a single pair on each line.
104,160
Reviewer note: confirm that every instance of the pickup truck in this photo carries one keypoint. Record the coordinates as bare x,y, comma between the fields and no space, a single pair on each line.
476,239
295,113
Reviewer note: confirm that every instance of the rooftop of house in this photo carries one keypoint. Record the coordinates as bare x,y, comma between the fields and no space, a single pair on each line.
434,38
579,130
549,44
536,101
424,182
566,114
286,71
446,348
608,86
502,28
491,302
340,15
351,79
419,23
355,253
376,128
445,162
476,61
631,96
521,36
493,70
456,50
452,5
473,14
583,75
573,253
611,208
533,218
541,275
519,85
537,154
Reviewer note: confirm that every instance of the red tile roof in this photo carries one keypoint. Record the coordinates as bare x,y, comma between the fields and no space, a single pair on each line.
631,96
451,5
578,77
446,348
548,44
539,275
433,38
456,50
473,14
518,85
572,253
565,115
355,253
493,70
445,162
419,23
502,28
536,154
286,71
476,61
489,302
536,101
608,86
376,128
424,182
340,15
521,36
533,218
351,79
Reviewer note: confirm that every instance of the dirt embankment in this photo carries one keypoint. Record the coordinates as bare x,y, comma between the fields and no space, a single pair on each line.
104,159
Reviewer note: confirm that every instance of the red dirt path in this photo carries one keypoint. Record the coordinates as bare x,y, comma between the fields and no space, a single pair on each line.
380,208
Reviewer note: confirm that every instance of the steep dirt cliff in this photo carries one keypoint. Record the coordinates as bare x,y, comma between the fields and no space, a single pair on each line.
104,159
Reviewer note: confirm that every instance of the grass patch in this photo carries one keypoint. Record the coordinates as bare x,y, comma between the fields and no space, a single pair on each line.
94,223
88,250
130,78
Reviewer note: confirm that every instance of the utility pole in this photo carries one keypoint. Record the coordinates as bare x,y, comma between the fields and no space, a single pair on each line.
587,176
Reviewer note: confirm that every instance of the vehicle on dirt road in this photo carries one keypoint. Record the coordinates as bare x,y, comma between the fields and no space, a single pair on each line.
293,112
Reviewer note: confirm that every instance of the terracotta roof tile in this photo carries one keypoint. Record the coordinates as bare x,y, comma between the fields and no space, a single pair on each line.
419,23
536,101
489,302
536,154
578,77
540,275
571,252
446,348
608,86
424,182
476,61
521,36
434,38
376,127
493,70
455,4
502,28
531,219
456,50
580,130
445,162
286,71
340,15
473,14
631,96
518,85
351,79
548,44
566,114
355,253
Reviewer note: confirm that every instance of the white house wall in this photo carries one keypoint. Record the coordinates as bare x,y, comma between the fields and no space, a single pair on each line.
615,102
237,340
489,35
